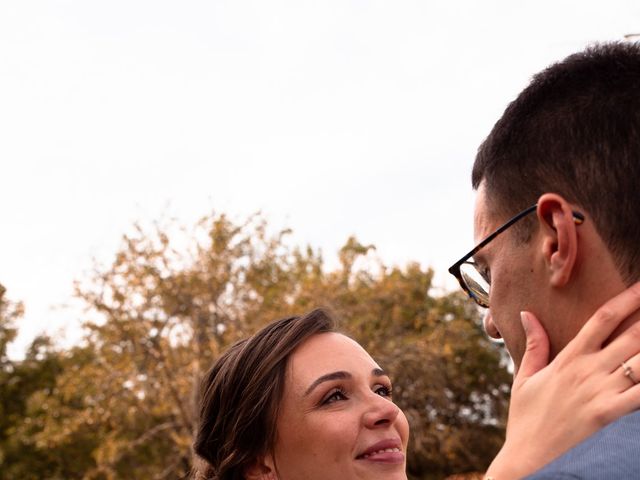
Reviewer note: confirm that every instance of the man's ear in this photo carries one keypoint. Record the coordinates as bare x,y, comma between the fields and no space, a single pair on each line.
261,469
560,237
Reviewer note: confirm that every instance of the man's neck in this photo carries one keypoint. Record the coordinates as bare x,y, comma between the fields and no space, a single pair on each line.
596,282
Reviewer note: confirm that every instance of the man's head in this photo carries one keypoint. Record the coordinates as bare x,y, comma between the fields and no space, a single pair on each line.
569,142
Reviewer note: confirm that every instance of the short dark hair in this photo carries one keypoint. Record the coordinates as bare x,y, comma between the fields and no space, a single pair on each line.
241,396
574,131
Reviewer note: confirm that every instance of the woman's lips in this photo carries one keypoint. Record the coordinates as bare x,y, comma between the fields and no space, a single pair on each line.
388,455
385,451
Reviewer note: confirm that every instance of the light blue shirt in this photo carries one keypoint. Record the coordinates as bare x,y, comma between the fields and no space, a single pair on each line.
611,453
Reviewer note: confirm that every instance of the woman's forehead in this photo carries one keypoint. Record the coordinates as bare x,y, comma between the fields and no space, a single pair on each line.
326,353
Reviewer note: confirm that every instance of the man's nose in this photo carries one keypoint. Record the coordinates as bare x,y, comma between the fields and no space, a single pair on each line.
380,412
489,326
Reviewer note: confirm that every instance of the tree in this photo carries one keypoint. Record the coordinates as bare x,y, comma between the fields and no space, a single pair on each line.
9,313
172,300
25,387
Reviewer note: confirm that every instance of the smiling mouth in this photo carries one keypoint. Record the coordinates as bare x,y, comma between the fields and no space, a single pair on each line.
387,452
380,454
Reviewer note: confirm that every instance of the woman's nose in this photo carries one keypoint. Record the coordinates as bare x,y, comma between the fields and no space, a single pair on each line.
380,412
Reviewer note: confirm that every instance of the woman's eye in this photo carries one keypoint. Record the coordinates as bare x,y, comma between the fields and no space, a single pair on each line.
383,391
335,396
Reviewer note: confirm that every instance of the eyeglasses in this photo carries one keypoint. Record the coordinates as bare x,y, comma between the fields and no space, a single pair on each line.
472,278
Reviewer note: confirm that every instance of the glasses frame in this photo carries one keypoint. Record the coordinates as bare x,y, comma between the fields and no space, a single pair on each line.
455,268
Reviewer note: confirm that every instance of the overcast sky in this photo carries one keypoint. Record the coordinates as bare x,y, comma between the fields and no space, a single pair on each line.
331,117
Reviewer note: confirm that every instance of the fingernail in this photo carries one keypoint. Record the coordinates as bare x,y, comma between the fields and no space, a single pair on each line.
524,318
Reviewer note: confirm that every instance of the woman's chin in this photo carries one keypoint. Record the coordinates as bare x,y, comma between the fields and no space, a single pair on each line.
388,466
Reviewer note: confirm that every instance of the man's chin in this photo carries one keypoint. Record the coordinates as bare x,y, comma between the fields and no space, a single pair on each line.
491,329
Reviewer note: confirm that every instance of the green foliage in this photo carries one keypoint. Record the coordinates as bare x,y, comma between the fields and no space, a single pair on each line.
25,387
9,313
122,405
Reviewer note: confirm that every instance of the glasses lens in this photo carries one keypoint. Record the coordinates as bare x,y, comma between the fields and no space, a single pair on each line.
476,283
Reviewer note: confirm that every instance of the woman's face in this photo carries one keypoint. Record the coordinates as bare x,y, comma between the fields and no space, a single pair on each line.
337,419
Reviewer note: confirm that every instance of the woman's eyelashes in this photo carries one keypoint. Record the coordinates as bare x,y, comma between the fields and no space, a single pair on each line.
335,395
338,394
384,390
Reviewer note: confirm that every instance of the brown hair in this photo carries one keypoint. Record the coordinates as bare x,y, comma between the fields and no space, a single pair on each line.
241,395
575,131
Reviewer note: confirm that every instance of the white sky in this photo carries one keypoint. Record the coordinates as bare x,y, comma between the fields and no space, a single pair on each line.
332,117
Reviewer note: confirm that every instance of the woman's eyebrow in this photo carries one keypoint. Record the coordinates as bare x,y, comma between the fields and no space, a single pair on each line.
326,378
341,375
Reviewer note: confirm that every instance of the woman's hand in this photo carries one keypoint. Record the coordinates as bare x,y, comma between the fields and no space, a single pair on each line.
554,407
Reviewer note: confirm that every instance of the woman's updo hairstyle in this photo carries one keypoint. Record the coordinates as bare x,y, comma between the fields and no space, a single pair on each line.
241,394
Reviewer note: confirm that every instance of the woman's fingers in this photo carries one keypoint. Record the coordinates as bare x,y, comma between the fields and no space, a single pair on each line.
622,404
623,347
624,376
536,355
626,393
584,388
607,318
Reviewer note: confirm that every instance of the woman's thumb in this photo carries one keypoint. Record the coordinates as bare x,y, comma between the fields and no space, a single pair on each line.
536,355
